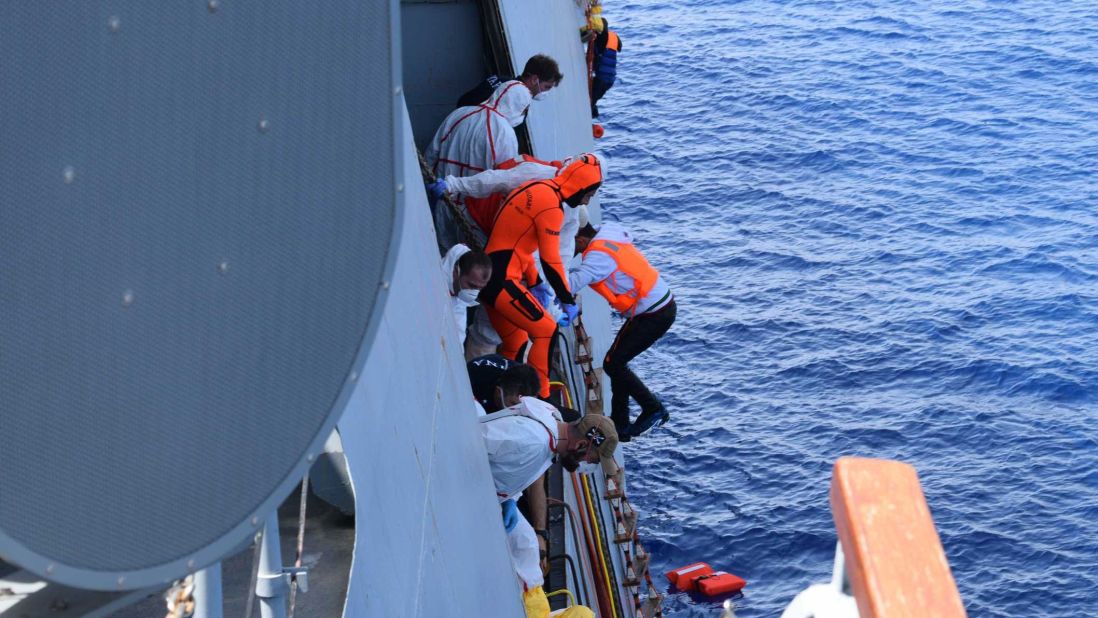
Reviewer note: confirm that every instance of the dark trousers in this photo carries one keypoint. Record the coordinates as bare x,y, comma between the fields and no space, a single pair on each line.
636,335
598,88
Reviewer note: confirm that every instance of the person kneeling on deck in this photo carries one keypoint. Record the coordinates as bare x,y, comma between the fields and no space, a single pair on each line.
530,220
522,441
466,271
615,269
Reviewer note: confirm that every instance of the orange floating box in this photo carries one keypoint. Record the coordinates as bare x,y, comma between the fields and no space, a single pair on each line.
683,577
719,583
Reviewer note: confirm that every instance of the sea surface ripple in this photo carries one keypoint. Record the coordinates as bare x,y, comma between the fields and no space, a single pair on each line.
879,221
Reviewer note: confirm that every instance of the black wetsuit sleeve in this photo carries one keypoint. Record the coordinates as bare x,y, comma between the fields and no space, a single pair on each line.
559,286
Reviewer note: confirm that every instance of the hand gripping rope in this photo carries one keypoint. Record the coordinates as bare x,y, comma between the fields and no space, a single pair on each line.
469,237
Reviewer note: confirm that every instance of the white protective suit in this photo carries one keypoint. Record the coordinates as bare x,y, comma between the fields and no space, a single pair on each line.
457,305
520,441
474,139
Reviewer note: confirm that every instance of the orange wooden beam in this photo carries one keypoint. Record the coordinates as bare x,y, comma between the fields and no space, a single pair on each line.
894,560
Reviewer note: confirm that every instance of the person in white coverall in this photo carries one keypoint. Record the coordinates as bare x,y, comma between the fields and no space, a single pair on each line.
475,139
465,272
521,442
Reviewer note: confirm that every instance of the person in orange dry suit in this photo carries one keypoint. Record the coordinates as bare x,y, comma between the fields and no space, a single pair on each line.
530,220
482,195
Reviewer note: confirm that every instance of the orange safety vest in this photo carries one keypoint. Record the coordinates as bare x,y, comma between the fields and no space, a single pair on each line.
612,41
630,262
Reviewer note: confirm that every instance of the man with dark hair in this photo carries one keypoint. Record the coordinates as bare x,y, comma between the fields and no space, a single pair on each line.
540,75
615,269
466,272
499,382
605,65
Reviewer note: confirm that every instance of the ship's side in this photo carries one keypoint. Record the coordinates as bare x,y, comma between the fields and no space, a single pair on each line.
427,533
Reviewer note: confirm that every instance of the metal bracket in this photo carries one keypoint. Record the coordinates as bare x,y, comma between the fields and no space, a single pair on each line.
269,586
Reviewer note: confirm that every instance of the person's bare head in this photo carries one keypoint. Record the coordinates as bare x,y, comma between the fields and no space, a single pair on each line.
541,74
472,271
584,237
516,382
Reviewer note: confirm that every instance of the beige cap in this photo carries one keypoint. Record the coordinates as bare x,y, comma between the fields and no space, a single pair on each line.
600,429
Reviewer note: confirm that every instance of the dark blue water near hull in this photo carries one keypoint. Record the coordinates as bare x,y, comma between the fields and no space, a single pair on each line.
879,220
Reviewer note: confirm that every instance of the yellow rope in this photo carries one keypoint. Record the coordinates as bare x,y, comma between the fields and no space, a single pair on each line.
597,524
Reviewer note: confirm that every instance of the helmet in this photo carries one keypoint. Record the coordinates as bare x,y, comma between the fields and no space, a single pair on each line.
580,178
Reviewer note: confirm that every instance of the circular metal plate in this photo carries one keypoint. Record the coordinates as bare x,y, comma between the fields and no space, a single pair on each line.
198,212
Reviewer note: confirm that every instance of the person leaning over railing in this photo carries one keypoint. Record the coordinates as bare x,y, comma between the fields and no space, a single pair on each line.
522,441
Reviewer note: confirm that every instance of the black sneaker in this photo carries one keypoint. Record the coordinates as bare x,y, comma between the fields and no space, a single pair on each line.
647,421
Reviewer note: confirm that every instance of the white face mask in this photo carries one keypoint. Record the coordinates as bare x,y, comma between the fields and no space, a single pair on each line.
469,297
541,96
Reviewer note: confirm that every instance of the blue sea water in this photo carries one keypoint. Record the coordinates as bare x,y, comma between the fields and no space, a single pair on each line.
879,221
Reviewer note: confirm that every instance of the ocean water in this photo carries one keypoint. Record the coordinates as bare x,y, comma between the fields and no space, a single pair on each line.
879,221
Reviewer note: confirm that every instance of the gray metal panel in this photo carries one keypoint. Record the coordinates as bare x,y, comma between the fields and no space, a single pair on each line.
197,212
443,58
428,538
560,125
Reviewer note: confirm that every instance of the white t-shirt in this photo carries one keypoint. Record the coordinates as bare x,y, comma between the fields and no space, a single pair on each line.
520,442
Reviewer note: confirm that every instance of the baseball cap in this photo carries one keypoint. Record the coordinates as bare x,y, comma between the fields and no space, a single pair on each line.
601,431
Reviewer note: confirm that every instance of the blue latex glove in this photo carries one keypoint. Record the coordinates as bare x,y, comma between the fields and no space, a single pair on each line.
571,312
543,293
436,189
510,514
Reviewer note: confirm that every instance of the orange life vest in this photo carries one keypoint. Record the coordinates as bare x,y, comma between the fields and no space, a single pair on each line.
629,261
612,41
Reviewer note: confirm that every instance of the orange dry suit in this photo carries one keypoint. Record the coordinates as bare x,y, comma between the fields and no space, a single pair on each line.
483,209
529,220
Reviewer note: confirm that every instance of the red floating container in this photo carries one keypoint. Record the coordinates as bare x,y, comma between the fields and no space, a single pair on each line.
719,583
684,578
